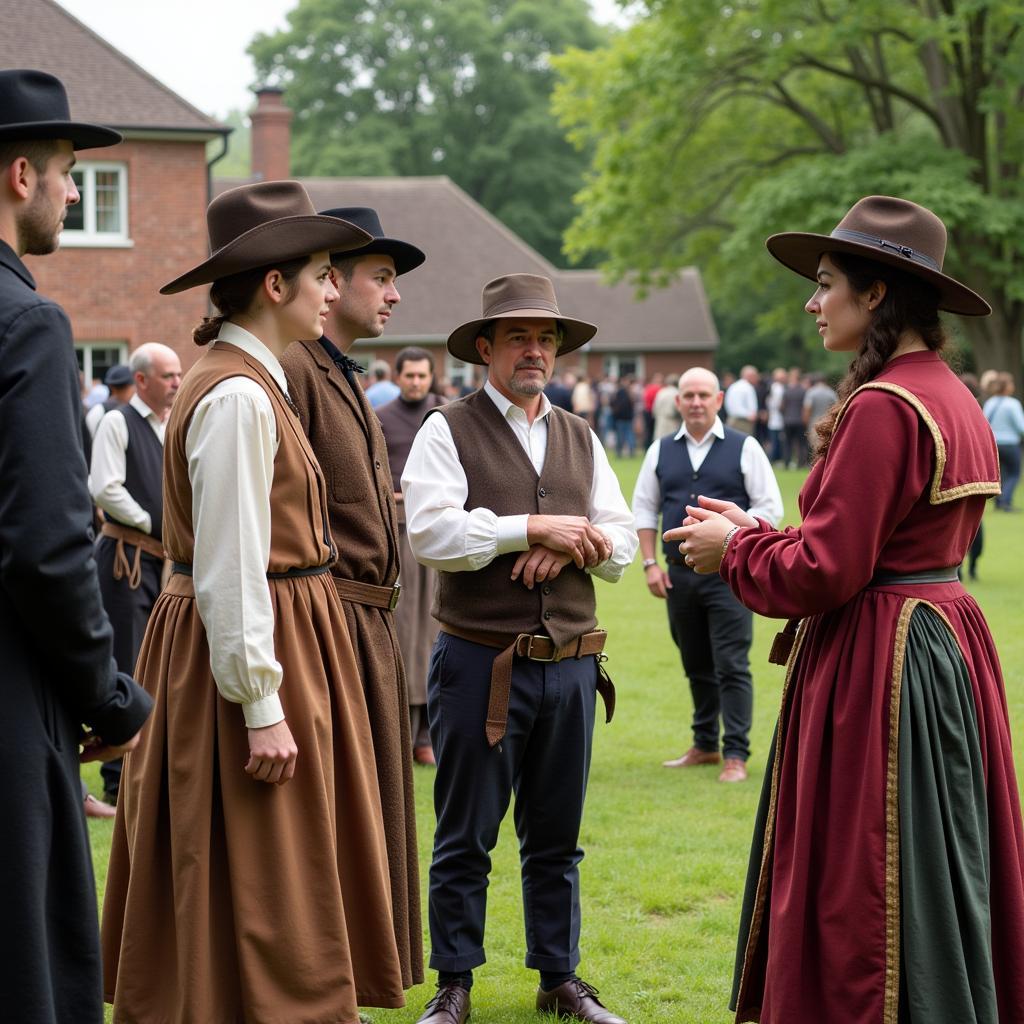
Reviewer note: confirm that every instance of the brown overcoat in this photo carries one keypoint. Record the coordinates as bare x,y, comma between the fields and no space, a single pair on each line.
349,445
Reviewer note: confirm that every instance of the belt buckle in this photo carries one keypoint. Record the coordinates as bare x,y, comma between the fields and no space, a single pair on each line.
534,657
396,592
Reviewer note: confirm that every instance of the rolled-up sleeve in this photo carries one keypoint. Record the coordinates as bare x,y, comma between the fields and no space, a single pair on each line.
610,514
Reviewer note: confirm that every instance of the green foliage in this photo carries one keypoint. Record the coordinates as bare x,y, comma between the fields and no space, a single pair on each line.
717,122
456,87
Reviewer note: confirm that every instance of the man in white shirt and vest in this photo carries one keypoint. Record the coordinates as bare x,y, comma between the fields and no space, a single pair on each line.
712,630
126,482
514,503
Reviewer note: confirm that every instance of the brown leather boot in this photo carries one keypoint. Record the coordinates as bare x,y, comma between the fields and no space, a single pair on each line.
694,756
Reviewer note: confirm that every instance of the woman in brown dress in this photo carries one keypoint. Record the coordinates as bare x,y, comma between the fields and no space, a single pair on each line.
248,878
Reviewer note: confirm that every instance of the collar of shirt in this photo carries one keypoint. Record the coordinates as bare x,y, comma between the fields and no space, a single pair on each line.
505,406
142,409
717,430
251,345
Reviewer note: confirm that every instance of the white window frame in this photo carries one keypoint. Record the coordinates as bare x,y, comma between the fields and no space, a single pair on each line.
612,364
88,236
86,348
456,371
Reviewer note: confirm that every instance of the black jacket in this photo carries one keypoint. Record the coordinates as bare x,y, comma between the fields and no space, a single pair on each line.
56,669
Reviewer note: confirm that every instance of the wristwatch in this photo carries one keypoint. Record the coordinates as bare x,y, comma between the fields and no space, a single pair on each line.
648,562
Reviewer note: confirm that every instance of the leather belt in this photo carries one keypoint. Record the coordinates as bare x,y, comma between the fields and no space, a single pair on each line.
185,569
782,645
123,569
368,593
533,648
887,578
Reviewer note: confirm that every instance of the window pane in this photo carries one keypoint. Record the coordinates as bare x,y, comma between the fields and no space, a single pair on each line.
75,220
108,203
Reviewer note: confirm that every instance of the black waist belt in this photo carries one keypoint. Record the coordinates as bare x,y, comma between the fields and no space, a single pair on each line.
185,569
885,578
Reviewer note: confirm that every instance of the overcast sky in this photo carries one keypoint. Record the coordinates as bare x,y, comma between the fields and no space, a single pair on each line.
206,65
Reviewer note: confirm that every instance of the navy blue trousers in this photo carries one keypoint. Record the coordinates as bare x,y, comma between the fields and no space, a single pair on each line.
713,632
544,760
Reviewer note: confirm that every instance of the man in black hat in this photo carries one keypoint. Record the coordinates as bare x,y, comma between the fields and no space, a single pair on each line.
121,384
349,445
55,639
513,501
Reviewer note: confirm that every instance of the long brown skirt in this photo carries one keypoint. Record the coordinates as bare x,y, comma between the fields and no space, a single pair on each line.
233,901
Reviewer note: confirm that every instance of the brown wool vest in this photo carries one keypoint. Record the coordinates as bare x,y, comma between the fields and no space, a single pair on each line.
502,478
299,535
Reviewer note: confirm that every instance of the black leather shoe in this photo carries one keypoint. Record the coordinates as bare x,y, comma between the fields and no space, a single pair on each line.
576,1000
449,1006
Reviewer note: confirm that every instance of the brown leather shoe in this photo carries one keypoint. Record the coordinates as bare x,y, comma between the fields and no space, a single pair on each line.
97,808
694,756
423,755
735,770
576,1000
449,1006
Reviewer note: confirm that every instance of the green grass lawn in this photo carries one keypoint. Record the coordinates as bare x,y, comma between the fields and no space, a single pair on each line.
666,849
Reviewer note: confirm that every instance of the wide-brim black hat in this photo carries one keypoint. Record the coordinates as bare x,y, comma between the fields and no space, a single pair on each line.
263,223
405,255
887,230
519,297
34,105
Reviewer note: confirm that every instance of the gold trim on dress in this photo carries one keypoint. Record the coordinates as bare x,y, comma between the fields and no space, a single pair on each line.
769,827
937,495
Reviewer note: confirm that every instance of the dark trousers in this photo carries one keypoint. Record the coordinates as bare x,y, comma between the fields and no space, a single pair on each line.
713,632
1009,471
796,444
128,611
544,759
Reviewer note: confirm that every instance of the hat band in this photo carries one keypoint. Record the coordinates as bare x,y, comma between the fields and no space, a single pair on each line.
522,302
846,235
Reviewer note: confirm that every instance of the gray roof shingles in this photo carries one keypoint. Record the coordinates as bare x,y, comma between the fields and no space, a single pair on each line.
466,246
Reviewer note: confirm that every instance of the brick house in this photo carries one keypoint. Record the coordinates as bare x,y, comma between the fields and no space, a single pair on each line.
141,220
668,331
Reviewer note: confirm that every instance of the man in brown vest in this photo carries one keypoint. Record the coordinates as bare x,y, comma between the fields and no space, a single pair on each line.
349,445
514,503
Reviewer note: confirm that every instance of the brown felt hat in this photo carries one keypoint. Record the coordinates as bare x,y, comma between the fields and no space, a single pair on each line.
263,223
517,296
887,230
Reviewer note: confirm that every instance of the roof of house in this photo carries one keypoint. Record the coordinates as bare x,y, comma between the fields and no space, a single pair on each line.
466,246
104,86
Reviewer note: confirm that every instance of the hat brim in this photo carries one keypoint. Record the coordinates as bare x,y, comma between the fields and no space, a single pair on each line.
81,136
800,251
406,257
273,242
462,341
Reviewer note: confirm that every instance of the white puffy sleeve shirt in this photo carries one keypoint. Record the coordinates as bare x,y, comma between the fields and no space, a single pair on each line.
445,536
230,445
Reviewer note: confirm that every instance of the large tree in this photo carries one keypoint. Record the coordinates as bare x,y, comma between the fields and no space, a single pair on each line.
717,122
456,87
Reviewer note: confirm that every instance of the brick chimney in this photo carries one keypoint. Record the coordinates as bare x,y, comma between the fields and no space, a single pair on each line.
271,136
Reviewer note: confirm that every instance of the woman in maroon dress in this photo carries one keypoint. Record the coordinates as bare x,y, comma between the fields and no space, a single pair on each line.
886,882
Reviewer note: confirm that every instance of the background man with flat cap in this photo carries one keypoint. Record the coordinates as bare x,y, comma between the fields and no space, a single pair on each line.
400,420
350,448
126,482
55,640
515,504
